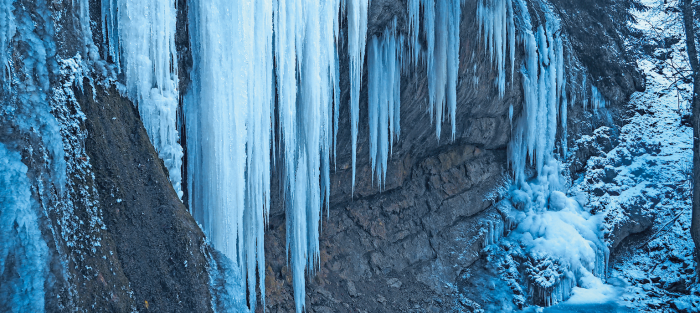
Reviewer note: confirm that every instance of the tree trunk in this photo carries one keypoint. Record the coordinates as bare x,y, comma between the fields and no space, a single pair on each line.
688,21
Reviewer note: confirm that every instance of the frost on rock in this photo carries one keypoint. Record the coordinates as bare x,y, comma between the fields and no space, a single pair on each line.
225,284
384,97
23,254
44,125
140,36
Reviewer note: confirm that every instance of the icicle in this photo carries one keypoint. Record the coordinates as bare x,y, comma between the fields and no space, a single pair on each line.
414,28
357,35
496,22
7,31
384,84
597,98
441,21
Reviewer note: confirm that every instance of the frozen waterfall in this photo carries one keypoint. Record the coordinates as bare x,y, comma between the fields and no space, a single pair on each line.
265,92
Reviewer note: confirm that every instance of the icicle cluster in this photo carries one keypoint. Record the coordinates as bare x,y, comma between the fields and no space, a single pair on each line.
308,31
441,25
230,118
140,35
357,38
244,92
496,22
384,97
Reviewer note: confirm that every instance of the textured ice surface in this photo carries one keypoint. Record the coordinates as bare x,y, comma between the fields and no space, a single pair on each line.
23,252
141,39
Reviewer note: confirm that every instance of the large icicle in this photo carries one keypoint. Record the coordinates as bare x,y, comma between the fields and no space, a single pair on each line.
229,116
306,121
496,23
228,123
384,97
141,40
357,37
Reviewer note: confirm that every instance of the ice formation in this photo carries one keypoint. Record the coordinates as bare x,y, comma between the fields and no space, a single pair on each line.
441,25
244,92
597,99
384,97
140,35
23,253
496,23
229,125
7,31
228,121
357,38
560,239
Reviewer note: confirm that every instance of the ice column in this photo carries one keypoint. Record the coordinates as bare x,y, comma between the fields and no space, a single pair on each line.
357,37
228,118
306,32
23,253
140,35
384,97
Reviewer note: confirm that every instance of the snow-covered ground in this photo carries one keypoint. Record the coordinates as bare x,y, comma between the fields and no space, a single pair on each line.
644,180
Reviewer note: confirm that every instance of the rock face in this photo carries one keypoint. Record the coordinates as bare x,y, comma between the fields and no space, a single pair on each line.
158,245
398,247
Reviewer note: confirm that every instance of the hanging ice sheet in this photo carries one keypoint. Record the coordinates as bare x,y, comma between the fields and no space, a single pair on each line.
229,118
140,35
228,122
